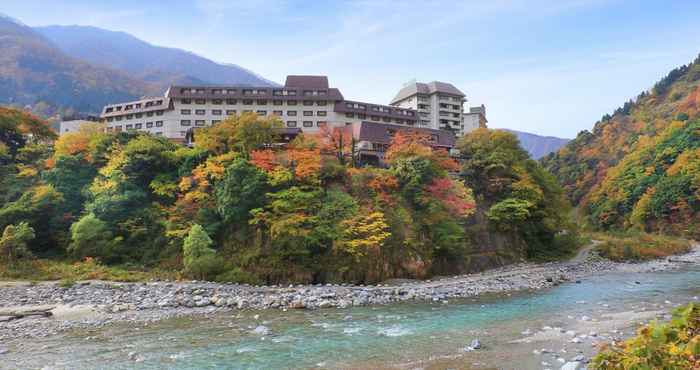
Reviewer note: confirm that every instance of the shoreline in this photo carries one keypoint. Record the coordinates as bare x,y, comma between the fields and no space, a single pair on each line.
94,304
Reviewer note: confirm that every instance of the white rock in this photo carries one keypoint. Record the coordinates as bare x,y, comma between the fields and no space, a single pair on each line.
573,365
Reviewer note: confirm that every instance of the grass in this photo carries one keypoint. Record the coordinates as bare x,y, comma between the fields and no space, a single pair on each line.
637,246
69,272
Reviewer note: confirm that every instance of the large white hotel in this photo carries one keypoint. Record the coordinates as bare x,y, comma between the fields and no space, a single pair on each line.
304,102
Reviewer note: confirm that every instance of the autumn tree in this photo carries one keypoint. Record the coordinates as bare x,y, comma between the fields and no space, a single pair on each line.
13,243
243,134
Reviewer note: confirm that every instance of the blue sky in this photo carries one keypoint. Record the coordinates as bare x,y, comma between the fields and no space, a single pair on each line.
548,67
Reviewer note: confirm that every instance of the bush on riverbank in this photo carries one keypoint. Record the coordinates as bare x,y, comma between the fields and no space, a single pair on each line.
87,269
674,345
639,246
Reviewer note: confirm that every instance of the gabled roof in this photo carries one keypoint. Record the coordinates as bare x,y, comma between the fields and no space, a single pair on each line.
426,88
307,82
381,133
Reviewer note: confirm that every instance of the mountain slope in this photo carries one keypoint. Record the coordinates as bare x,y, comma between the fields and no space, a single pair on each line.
33,70
539,146
160,65
640,167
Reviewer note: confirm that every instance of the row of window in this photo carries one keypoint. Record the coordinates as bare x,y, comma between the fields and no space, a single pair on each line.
378,108
137,126
448,106
306,123
377,118
132,106
199,122
251,102
230,112
135,115
276,92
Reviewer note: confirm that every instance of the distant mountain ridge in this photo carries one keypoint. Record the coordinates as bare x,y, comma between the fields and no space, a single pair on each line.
33,70
539,146
160,65
68,69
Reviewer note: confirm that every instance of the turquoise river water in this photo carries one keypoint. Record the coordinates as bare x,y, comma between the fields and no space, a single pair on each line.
416,335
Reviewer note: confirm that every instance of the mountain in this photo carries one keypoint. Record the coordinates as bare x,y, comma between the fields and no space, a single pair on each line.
33,70
160,65
539,146
640,167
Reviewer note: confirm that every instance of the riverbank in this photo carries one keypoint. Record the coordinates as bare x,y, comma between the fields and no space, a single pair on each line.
92,304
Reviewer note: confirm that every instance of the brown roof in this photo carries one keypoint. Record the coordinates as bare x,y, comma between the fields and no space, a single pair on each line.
236,92
307,82
381,133
164,105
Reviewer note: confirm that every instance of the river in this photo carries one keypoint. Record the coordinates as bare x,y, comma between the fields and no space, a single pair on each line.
407,335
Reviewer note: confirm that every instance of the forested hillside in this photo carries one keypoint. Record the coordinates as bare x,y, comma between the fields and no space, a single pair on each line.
640,167
233,209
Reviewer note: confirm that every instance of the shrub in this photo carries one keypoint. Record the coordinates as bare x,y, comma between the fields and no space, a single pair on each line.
90,237
675,345
13,243
199,258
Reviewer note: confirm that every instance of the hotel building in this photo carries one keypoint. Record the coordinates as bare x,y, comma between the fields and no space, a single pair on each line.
304,102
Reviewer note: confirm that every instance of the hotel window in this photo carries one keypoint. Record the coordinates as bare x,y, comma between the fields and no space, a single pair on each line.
200,112
110,119
291,92
109,110
185,111
118,128
216,91
149,103
138,115
200,91
128,107
361,116
308,113
231,101
291,123
247,102
291,113
149,114
159,113
230,112
386,119
109,128
185,122
119,108
262,102
138,126
230,91
149,124
374,118
277,112
129,116
321,113
277,102
159,102
321,103
308,102
129,127
261,112
350,115
308,124
308,92
216,112
159,123
247,111
217,101
199,123
215,121
186,101
321,123
119,118
200,101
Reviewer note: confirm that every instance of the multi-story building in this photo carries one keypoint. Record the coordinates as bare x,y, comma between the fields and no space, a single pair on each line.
304,102
439,104
476,118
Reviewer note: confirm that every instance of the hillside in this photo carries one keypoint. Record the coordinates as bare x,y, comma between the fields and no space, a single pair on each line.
538,146
33,70
640,167
160,65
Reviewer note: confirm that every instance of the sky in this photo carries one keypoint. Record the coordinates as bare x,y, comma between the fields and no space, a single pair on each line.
546,67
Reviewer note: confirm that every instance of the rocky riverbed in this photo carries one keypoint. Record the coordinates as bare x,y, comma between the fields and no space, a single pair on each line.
98,303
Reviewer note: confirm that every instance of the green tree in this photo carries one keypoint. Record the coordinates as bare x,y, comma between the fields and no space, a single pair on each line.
90,237
199,258
13,243
242,189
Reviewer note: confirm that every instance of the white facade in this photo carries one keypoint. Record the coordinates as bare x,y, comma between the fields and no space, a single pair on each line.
71,125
